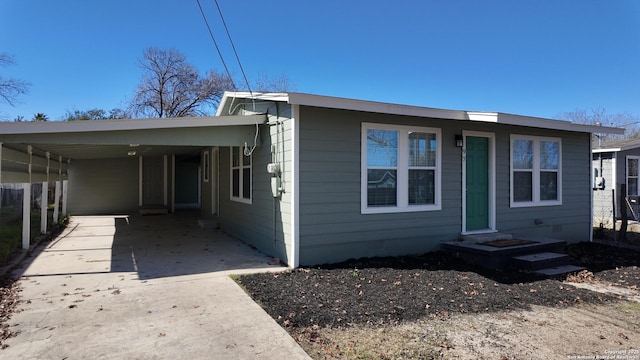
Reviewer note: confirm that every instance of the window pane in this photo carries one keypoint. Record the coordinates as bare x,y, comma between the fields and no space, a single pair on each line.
235,179
382,148
246,183
422,187
235,156
381,187
548,185
246,160
422,149
522,154
549,154
632,186
522,186
633,167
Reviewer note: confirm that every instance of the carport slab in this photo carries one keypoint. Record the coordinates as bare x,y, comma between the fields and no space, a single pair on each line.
160,291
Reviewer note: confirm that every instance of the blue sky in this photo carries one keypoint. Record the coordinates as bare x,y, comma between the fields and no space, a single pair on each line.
538,58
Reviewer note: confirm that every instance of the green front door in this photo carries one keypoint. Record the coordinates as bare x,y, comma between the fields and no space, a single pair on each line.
477,181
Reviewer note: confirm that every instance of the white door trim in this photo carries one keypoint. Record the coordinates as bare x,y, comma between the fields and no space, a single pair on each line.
492,181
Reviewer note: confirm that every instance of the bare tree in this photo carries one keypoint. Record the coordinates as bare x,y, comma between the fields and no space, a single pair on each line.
11,88
265,83
171,87
95,114
600,116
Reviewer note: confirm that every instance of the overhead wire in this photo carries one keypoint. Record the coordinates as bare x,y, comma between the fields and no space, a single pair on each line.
215,43
247,151
234,48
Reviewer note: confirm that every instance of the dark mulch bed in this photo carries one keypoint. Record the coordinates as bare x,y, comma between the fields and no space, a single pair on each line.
391,290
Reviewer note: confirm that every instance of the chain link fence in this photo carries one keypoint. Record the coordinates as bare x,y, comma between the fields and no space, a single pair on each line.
614,218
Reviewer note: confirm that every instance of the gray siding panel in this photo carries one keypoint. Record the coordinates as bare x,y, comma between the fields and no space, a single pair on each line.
333,229
603,198
569,221
331,225
265,223
103,186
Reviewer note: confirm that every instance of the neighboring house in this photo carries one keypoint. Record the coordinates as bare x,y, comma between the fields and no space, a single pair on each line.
313,179
615,163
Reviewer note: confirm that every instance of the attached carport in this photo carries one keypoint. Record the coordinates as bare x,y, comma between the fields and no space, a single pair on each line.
124,165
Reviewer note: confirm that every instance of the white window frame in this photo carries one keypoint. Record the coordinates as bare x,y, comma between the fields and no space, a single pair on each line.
402,180
535,171
626,165
242,168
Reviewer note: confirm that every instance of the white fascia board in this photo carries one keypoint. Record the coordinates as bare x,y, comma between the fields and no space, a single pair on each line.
408,110
606,150
615,149
52,127
229,96
374,106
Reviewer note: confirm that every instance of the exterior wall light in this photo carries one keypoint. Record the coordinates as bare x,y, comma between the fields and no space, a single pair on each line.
459,141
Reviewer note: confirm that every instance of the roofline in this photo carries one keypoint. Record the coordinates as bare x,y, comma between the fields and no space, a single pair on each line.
615,149
53,127
410,110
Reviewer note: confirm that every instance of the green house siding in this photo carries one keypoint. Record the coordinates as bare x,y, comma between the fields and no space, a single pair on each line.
333,229
266,222
569,221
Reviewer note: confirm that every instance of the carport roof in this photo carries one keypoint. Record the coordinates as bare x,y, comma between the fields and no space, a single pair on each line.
91,139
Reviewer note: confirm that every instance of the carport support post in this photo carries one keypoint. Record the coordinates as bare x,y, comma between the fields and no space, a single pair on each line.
26,215
56,211
43,207
65,184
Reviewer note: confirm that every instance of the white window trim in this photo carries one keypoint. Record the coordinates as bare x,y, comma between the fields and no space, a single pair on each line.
626,172
402,170
240,199
536,172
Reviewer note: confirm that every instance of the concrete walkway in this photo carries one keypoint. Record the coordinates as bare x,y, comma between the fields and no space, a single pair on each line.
153,287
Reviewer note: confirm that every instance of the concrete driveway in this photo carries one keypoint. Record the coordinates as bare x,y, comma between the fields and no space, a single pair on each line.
153,287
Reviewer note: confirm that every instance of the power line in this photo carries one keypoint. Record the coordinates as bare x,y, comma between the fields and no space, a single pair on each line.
215,43
234,48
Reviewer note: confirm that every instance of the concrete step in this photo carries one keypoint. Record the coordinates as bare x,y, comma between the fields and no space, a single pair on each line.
559,270
540,260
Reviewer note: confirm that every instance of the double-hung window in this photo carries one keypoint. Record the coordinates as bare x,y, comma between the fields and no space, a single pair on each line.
400,168
240,175
632,175
536,176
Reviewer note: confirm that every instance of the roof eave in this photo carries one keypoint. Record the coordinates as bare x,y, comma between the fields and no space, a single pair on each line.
53,127
409,110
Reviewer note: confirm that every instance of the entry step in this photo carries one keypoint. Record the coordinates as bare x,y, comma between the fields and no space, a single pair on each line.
559,270
541,260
